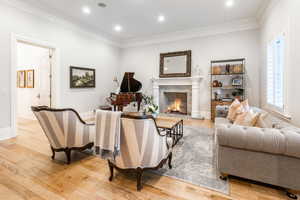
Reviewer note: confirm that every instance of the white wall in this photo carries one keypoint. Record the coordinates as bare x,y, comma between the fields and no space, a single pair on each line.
77,47
281,16
144,60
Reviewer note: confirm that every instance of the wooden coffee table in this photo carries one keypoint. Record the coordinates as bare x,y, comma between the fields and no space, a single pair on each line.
172,126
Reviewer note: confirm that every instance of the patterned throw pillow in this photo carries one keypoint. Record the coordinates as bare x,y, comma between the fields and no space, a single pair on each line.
246,106
247,118
234,109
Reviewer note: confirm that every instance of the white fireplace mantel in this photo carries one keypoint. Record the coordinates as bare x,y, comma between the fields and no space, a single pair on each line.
192,81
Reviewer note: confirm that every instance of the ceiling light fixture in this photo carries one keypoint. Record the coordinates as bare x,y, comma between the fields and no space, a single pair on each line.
229,3
102,5
161,18
118,28
86,10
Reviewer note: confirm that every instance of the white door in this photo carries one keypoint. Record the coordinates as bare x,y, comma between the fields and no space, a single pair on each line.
44,87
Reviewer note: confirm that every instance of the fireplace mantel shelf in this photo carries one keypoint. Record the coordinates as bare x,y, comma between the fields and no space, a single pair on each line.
177,80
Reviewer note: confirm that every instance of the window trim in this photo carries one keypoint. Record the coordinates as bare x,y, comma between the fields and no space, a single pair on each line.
283,112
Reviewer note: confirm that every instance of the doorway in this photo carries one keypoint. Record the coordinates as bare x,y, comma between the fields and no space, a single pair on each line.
39,91
34,72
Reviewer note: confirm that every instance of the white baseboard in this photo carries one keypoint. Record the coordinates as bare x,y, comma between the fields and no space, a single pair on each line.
6,133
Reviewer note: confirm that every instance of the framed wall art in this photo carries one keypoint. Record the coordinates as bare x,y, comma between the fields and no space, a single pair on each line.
21,79
30,78
82,77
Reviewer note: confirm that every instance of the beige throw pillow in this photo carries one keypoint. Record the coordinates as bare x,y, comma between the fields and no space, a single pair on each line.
247,118
234,109
246,106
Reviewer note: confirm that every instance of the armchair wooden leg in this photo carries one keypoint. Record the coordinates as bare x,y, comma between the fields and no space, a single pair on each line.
291,194
53,153
170,160
139,179
68,155
111,169
224,176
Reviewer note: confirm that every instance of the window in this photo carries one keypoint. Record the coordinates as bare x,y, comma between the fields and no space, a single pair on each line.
275,73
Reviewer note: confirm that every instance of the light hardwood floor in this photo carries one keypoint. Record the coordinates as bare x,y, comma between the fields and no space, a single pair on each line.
27,172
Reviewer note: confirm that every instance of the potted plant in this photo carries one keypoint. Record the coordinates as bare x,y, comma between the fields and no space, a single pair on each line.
149,105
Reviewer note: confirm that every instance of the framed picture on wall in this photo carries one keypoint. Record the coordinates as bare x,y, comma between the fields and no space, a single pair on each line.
30,78
82,77
21,79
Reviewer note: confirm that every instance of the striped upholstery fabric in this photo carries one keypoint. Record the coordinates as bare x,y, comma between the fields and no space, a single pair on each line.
141,144
64,129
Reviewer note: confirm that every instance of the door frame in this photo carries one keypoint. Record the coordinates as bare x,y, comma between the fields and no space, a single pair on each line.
55,83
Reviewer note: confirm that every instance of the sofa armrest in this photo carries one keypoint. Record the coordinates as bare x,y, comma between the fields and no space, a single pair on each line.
265,140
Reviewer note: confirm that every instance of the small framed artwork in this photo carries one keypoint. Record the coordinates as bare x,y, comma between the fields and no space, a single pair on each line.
237,82
21,79
30,78
82,77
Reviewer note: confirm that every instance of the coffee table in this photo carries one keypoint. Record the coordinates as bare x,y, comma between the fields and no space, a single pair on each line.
172,126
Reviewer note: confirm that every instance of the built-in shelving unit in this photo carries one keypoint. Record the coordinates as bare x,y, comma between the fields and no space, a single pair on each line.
228,82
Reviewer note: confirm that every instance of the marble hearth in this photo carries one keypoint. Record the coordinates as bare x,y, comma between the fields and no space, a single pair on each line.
190,86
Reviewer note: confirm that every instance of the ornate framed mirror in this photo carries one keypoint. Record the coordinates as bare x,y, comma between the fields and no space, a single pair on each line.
175,64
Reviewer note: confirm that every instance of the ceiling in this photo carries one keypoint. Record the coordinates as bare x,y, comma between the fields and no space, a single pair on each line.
139,17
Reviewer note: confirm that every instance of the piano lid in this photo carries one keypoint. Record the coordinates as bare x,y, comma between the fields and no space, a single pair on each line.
129,84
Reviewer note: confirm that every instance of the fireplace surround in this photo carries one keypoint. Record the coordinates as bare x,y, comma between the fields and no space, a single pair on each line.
188,85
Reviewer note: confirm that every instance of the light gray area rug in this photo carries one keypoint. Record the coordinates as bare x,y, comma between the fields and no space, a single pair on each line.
194,160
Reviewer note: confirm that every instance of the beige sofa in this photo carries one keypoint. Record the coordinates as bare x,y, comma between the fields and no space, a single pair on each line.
268,155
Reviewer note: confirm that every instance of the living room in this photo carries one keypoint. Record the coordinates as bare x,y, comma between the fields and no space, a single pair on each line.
125,53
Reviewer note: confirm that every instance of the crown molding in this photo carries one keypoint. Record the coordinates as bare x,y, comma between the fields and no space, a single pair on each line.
263,13
64,21
234,26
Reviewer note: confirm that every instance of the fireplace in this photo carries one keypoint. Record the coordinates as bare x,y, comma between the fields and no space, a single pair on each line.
176,103
178,95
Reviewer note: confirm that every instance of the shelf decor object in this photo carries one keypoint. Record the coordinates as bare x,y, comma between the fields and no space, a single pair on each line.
228,82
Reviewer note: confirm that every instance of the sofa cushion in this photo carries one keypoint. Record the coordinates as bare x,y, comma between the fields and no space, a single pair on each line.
259,139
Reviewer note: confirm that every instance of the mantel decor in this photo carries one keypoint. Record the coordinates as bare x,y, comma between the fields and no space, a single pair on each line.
82,77
175,64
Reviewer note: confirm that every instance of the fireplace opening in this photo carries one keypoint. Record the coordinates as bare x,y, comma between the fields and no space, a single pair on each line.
175,103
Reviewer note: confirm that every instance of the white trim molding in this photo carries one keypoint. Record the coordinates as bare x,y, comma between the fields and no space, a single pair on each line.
229,27
192,81
15,38
6,133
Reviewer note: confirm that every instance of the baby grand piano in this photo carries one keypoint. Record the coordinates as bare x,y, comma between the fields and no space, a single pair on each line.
129,92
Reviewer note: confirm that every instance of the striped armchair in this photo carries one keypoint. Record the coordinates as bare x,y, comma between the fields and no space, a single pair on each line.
142,147
65,130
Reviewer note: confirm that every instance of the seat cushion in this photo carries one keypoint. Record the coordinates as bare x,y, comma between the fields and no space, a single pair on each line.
220,120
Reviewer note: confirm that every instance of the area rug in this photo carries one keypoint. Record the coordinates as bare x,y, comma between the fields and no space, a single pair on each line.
194,160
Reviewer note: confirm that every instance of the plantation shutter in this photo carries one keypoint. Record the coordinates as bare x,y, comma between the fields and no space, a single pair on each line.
275,73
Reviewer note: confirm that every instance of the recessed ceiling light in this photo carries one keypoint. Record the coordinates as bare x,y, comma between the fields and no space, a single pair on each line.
161,18
86,10
118,28
102,5
229,3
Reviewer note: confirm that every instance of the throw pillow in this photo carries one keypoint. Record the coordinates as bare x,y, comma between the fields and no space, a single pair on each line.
234,109
247,119
245,105
262,122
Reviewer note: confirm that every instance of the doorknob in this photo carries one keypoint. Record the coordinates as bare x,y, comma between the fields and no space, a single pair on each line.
38,96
